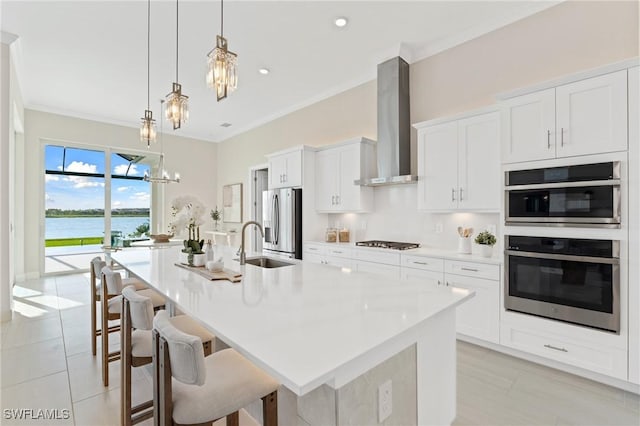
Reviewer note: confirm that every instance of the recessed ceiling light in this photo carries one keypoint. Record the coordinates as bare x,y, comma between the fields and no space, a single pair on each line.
264,71
341,22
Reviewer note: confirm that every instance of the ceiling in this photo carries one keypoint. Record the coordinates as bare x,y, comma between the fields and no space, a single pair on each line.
88,58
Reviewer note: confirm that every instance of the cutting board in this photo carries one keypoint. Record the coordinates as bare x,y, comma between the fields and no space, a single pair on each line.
225,274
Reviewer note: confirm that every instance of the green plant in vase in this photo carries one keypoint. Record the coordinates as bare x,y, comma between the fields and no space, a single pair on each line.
216,215
486,240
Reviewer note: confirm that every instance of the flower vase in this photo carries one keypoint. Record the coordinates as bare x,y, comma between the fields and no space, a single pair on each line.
486,250
464,245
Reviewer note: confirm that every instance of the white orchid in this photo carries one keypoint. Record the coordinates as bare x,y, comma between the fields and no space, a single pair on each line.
188,213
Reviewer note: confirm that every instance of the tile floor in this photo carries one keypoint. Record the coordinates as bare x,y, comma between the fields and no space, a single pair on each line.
46,362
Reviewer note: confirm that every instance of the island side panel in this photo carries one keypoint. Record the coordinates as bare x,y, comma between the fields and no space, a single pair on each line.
436,364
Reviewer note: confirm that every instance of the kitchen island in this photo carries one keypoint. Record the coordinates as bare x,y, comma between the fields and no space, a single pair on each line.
329,335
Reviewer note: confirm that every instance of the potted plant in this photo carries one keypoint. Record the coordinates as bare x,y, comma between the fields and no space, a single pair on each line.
216,215
486,241
188,214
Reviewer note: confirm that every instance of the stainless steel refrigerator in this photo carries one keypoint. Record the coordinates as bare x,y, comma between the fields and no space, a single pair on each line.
282,222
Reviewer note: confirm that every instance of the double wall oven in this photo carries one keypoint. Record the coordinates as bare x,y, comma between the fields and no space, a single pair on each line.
575,280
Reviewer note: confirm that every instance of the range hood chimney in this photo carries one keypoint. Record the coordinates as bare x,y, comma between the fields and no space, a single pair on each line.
394,127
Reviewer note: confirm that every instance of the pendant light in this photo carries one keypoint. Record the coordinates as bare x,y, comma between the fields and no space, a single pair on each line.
177,110
148,129
221,65
162,176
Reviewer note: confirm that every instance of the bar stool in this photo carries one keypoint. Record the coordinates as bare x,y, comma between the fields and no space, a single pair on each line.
111,309
194,390
136,347
95,285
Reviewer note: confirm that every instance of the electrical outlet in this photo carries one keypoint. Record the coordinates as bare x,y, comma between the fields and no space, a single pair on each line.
439,228
385,401
363,225
491,228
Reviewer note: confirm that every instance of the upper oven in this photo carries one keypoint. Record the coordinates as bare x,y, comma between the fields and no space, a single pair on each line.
580,195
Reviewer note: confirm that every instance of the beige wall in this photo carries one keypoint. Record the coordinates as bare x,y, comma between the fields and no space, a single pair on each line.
194,159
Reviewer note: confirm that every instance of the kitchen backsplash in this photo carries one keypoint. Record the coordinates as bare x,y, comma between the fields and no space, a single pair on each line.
396,218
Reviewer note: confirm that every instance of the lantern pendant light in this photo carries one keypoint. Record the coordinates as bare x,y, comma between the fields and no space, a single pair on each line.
162,176
177,109
222,74
148,129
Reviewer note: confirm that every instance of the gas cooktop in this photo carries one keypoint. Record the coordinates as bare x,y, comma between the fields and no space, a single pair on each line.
387,244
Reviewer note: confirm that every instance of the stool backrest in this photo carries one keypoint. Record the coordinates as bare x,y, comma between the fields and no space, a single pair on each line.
186,353
140,308
113,280
97,265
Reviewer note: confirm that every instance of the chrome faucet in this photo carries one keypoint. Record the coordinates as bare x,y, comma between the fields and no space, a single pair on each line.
243,256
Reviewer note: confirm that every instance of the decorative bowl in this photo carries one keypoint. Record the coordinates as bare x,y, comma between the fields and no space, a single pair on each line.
160,238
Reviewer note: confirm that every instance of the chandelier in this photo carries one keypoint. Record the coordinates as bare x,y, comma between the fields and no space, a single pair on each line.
162,176
177,110
222,75
148,129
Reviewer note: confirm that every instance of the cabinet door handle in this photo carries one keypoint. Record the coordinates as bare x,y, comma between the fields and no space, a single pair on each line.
333,200
453,194
461,192
420,263
312,248
337,199
439,283
336,252
284,177
561,136
548,139
555,348
447,283
469,269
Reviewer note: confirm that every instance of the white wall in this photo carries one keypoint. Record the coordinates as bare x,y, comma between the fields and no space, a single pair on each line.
5,255
194,159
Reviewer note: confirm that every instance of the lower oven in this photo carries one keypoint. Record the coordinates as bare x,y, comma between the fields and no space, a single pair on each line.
568,279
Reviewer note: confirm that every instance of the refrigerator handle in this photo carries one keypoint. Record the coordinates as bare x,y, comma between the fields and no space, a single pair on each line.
276,218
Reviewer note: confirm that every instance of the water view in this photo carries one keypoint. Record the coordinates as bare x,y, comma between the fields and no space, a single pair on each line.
70,227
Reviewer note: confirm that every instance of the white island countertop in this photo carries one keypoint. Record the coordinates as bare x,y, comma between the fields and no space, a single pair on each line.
301,323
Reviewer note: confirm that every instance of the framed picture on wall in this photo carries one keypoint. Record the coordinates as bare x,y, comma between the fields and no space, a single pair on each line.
232,203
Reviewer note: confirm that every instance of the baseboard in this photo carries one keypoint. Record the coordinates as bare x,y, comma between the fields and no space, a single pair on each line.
596,377
6,315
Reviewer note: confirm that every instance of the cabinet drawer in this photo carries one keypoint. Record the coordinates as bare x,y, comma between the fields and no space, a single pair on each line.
378,269
377,257
422,262
312,257
470,269
422,275
600,358
314,249
340,262
339,251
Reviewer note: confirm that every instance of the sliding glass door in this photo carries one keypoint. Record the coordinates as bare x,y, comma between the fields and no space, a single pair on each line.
93,199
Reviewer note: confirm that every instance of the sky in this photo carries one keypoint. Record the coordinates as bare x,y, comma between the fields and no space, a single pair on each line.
80,192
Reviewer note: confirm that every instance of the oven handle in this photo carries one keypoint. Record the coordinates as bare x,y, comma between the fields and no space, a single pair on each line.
606,182
553,256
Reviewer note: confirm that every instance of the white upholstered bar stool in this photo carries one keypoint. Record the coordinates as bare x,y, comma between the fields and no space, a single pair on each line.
95,284
111,308
194,390
136,347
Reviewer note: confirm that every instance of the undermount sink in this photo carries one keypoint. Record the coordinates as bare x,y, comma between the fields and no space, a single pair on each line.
267,262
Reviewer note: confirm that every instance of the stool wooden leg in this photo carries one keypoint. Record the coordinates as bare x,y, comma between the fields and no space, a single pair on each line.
270,409
105,344
233,419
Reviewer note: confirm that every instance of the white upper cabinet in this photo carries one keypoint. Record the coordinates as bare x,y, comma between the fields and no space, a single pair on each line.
285,169
591,115
458,164
585,117
337,168
528,124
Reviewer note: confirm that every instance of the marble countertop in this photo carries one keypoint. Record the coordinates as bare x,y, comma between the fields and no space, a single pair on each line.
424,251
302,323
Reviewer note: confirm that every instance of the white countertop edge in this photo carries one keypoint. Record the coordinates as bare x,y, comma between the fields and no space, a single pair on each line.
422,251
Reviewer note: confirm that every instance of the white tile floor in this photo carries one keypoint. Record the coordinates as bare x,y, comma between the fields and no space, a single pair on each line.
46,362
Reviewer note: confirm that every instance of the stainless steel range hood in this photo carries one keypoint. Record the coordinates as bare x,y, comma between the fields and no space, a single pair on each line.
394,127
